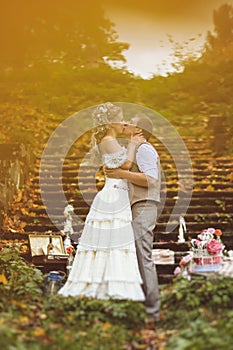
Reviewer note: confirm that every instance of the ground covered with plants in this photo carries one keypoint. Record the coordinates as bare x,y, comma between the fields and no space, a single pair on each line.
195,314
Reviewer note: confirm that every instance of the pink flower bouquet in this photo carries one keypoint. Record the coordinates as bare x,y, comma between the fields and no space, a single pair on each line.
207,249
214,246
207,237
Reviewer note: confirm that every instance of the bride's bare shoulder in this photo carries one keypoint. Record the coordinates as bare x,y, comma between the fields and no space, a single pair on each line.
109,144
107,138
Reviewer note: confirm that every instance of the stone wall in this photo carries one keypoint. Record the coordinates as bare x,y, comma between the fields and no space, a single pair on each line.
14,167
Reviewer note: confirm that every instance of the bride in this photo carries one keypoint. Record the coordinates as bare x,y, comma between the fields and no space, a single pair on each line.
105,264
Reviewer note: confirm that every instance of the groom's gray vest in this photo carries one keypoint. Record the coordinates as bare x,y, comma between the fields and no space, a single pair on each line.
138,193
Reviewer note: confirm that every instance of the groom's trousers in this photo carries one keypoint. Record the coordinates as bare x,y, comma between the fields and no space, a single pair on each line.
144,220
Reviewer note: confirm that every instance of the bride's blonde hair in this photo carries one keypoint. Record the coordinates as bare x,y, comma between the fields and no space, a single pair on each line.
103,115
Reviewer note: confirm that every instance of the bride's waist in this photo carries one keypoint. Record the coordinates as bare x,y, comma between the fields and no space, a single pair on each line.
113,181
119,184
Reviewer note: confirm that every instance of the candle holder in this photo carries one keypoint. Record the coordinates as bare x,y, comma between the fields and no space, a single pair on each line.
182,230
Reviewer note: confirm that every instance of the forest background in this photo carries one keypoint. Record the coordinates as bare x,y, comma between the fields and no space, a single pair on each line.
57,58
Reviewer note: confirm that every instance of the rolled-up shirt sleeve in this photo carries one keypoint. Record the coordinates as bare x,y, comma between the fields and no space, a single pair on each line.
147,160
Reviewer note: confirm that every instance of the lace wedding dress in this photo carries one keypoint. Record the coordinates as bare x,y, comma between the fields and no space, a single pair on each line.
105,265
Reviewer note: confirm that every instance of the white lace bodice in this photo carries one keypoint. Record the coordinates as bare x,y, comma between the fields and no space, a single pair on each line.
116,159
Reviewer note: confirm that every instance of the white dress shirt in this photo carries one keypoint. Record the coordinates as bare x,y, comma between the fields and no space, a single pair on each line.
147,160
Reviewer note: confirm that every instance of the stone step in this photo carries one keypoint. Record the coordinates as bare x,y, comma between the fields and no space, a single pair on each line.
166,165
173,236
175,246
74,159
79,178
74,177
168,185
79,154
163,218
81,148
194,227
166,210
206,200
78,202
170,240
169,180
165,278
161,227
167,269
170,192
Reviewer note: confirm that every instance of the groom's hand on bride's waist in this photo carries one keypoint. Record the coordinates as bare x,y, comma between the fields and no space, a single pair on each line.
139,179
115,173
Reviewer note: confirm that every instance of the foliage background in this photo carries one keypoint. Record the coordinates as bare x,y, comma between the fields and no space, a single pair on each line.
55,61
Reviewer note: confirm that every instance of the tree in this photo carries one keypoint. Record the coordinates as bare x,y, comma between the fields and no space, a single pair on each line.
223,28
57,31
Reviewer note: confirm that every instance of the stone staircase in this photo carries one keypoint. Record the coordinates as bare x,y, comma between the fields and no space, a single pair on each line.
211,204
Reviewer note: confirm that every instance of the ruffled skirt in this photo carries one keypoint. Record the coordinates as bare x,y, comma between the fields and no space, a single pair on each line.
105,265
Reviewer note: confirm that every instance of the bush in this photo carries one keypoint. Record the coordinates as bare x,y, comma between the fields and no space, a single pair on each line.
185,301
201,335
22,280
197,311
89,310
31,321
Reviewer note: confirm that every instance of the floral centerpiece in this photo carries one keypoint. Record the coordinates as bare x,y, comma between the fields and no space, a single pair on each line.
207,249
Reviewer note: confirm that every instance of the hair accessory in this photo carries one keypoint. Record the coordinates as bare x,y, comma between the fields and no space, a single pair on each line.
102,113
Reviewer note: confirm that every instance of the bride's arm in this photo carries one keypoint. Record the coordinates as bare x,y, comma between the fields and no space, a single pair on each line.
110,145
135,141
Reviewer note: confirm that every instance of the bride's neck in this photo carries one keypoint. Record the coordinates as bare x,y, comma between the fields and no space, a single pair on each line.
111,132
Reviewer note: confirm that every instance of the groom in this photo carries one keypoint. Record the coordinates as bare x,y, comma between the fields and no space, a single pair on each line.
144,180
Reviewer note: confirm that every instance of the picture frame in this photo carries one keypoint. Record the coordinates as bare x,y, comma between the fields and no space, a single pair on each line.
39,243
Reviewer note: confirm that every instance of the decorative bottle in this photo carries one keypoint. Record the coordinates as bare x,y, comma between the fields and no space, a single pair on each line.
50,246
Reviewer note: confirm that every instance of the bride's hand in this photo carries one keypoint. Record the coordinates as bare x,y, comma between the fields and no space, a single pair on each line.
138,138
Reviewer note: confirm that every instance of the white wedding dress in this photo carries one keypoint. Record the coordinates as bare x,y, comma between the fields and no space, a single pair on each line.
105,264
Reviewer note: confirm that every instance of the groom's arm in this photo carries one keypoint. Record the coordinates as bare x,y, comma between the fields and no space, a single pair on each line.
147,161
139,179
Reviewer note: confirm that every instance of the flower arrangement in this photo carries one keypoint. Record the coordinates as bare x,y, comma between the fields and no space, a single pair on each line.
69,250
207,240
207,248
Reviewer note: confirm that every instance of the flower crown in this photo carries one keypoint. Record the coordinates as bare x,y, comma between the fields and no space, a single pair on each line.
102,113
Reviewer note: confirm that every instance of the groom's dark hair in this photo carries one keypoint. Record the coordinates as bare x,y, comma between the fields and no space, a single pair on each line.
145,123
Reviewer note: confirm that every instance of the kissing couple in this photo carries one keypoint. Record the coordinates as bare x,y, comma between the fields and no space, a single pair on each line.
114,255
